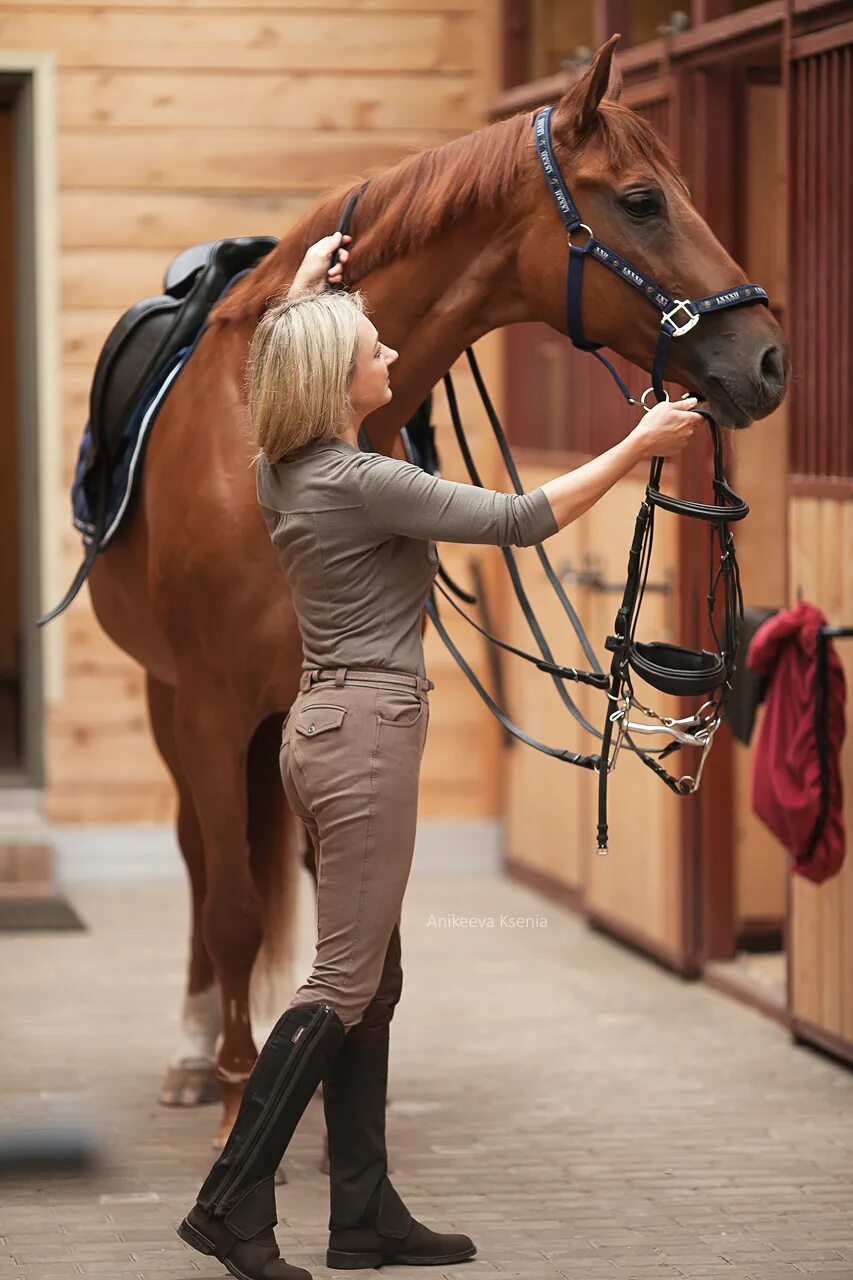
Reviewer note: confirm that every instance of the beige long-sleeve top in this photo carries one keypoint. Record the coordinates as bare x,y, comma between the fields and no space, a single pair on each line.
356,532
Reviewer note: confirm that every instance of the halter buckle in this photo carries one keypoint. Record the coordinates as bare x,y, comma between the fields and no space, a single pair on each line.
678,330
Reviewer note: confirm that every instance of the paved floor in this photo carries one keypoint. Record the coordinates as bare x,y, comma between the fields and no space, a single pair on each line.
577,1110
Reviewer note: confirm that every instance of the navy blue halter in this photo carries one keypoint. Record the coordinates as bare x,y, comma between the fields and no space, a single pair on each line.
678,316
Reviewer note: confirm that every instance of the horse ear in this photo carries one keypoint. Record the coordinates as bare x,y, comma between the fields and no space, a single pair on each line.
578,107
614,88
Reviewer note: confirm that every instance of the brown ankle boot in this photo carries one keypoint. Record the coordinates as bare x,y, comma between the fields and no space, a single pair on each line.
388,1234
368,1222
255,1259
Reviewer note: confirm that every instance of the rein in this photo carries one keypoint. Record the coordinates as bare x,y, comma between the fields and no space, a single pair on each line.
668,668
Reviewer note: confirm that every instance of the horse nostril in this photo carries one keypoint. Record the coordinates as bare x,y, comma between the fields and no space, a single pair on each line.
772,366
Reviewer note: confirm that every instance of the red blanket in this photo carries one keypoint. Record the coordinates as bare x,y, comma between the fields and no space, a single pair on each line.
796,782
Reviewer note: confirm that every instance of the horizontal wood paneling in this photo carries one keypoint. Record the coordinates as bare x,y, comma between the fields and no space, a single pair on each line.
83,333
429,43
162,219
206,100
372,9
231,160
141,219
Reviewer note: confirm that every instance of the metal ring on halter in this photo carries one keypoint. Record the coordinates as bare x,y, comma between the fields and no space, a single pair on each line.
649,390
583,247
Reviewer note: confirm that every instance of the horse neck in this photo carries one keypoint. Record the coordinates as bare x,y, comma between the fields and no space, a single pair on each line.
433,304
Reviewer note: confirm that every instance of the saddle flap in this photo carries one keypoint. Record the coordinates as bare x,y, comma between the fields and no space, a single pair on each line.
129,358
670,668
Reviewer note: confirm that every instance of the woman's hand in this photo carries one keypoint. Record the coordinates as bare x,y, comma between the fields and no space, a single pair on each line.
666,429
663,432
314,273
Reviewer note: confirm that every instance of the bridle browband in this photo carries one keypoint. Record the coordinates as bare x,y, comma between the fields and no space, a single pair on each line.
669,668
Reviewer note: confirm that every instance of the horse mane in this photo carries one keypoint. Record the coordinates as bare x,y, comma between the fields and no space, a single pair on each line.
426,194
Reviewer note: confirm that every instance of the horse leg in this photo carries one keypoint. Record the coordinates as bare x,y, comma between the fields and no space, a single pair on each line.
213,739
189,1080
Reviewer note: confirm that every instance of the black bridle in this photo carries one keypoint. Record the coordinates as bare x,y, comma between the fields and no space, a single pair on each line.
669,668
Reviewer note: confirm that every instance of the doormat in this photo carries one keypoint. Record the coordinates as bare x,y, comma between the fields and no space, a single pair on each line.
28,914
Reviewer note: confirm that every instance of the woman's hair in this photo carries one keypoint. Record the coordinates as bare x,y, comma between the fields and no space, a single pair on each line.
300,369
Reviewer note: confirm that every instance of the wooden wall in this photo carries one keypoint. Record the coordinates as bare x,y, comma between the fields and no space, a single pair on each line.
760,464
821,921
552,806
180,122
10,621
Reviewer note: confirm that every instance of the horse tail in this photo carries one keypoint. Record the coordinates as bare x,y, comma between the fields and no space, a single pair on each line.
276,855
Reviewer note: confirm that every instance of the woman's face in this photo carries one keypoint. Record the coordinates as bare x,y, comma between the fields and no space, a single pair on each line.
370,387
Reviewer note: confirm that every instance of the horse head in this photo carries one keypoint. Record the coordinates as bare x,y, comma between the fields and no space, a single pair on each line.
627,189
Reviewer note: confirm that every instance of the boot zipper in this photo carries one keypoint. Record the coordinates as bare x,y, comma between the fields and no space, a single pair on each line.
301,1037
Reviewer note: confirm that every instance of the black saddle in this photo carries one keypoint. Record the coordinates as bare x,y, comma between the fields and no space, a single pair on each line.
139,346
154,330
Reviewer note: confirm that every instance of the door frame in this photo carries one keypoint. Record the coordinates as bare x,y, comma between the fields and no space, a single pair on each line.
32,77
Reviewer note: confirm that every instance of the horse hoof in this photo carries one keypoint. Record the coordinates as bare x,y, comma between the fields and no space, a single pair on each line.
189,1084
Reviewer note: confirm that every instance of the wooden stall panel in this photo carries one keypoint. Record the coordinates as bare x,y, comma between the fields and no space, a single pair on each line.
10,585
821,323
821,454
760,472
461,771
761,475
547,801
821,549
637,887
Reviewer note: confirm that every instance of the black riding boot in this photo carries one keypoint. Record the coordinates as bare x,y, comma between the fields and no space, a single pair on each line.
368,1222
235,1212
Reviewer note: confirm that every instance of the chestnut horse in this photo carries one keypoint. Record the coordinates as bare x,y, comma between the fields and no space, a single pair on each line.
447,245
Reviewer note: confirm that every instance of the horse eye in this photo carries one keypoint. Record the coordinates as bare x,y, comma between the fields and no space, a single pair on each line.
641,204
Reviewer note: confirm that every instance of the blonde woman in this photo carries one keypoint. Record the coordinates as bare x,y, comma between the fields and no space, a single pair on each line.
356,535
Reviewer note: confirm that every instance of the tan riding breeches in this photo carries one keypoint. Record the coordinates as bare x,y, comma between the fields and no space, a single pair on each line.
350,763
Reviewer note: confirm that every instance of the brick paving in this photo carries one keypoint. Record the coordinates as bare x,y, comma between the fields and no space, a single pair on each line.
583,1114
